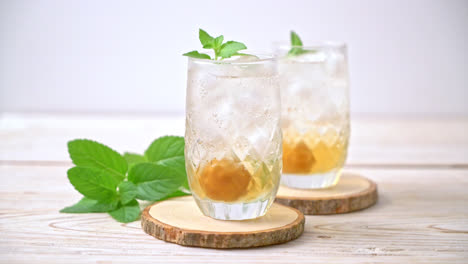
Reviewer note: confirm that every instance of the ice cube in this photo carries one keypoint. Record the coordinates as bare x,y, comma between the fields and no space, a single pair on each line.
243,58
336,65
312,56
245,66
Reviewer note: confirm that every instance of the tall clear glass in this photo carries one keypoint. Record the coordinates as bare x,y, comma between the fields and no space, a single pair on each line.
233,136
315,113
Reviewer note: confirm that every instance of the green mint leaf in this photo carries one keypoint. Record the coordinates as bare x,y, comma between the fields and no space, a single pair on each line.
156,181
165,148
297,46
196,54
204,37
177,167
133,158
230,48
208,46
169,152
91,154
218,42
127,191
126,213
295,40
86,205
93,183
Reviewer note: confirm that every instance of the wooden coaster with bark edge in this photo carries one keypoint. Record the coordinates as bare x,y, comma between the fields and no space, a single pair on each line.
352,192
180,221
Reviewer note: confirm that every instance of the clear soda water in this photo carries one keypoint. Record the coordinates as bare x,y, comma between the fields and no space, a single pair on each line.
315,116
233,136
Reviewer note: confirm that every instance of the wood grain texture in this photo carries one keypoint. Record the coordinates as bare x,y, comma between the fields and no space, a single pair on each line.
188,227
421,216
419,166
352,193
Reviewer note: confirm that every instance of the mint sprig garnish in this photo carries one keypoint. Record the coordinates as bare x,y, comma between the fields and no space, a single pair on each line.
296,44
221,50
112,183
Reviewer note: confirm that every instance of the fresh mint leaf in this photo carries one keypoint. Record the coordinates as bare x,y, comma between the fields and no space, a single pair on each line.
218,42
177,166
295,39
215,44
165,148
127,191
93,183
91,154
208,46
155,181
169,151
133,158
86,205
296,44
204,37
196,54
230,48
126,213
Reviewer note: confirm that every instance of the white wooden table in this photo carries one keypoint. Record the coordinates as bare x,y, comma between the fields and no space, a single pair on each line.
419,164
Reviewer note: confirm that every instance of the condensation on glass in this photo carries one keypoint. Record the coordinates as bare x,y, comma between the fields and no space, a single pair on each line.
233,136
315,114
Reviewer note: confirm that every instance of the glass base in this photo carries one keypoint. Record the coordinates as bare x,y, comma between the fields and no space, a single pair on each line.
311,181
233,211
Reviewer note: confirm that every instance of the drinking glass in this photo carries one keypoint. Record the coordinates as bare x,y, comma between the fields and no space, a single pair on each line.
315,113
233,135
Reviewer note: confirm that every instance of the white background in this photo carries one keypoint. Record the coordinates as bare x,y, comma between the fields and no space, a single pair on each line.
125,56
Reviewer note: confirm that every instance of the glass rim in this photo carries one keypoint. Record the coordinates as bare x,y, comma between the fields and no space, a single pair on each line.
263,58
312,45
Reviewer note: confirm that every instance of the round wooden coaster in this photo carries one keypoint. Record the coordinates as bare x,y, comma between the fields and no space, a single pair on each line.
179,221
353,192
